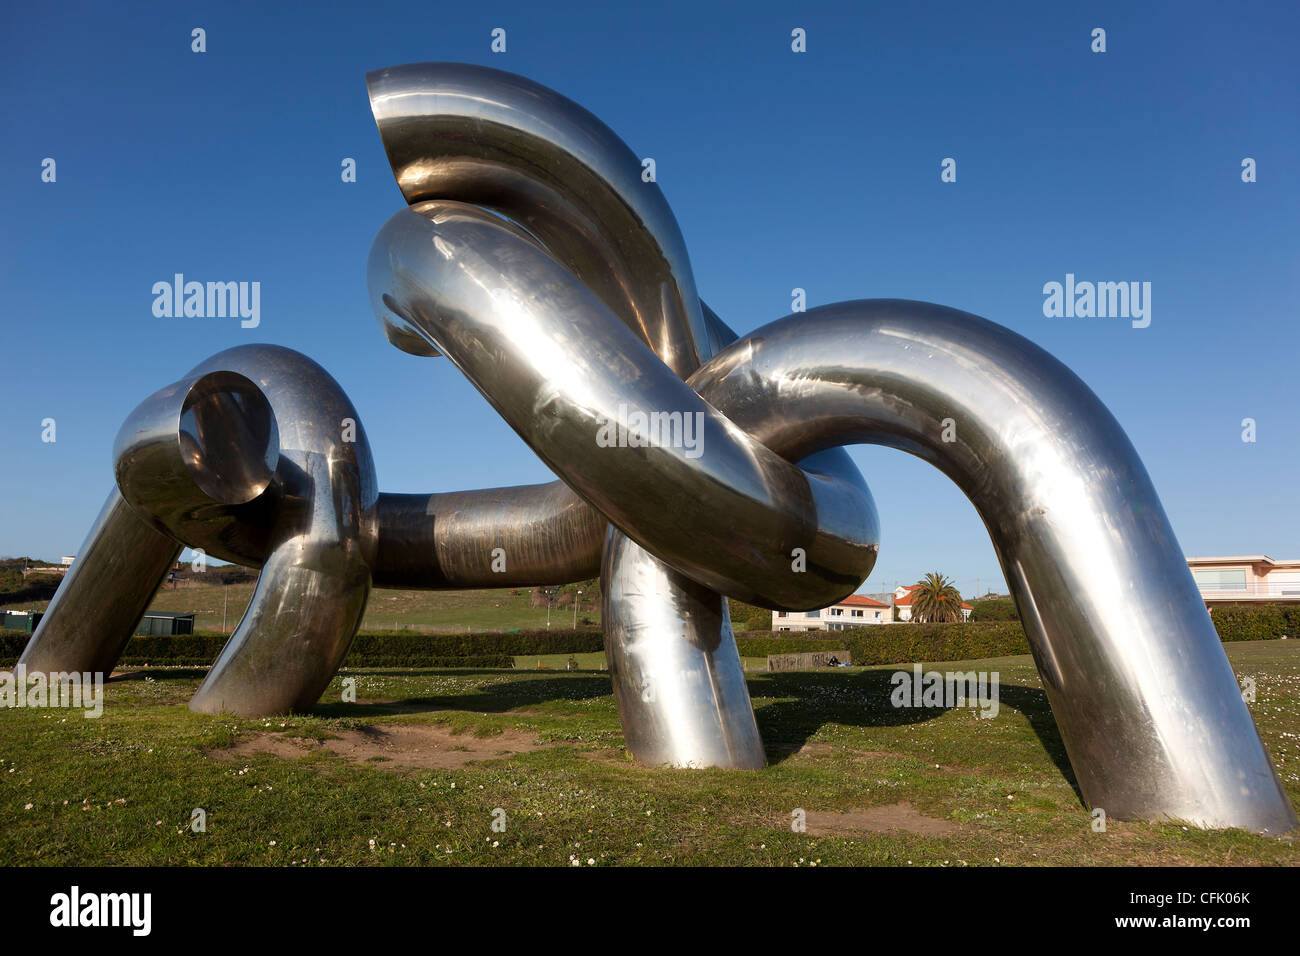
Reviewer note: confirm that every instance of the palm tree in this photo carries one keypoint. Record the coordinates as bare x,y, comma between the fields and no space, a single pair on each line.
935,600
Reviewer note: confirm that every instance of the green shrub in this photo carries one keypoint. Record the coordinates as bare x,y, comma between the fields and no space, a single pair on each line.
1257,623
749,617
994,609
494,661
910,643
896,643
369,648
876,644
409,648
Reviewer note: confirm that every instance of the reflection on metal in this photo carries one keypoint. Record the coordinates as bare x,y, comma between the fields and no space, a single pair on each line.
1148,707
502,143
103,595
552,360
692,466
247,459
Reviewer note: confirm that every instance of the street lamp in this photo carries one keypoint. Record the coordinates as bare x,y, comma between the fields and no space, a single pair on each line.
575,610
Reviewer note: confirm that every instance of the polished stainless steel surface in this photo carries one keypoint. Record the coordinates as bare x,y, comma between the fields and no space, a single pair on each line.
480,136
256,456
210,438
545,533
526,309
681,702
315,578
196,445
103,595
556,370
1147,704
715,505
502,142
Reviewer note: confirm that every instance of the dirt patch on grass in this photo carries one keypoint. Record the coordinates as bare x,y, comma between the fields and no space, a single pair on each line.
895,816
421,746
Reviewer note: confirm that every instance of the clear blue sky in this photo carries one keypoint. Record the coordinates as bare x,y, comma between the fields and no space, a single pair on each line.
818,170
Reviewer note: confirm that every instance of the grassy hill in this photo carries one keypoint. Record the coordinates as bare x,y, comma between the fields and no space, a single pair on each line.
497,609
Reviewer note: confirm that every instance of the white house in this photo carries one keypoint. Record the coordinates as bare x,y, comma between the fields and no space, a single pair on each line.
856,610
903,601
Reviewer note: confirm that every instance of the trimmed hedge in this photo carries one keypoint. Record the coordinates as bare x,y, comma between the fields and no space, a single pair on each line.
393,648
1259,623
494,661
898,643
908,643
181,650
994,609
891,644
369,648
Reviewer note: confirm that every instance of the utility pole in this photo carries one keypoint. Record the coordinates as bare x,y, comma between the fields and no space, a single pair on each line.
225,588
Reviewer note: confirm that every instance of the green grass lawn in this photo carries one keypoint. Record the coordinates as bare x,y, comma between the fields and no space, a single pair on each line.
412,772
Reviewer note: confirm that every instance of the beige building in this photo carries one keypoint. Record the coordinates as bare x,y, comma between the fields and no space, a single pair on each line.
1246,579
856,610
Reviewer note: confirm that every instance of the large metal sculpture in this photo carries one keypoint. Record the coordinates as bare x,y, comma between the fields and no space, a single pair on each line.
533,255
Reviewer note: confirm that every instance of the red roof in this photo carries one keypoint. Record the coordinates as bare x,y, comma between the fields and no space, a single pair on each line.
861,600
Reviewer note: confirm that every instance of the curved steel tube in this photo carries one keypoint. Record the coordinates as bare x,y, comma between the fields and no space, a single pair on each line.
727,512
251,458
476,135
104,594
315,579
548,535
500,141
1148,707
681,701
1066,500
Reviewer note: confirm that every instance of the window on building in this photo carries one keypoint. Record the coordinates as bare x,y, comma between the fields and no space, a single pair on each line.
816,613
1220,579
781,614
